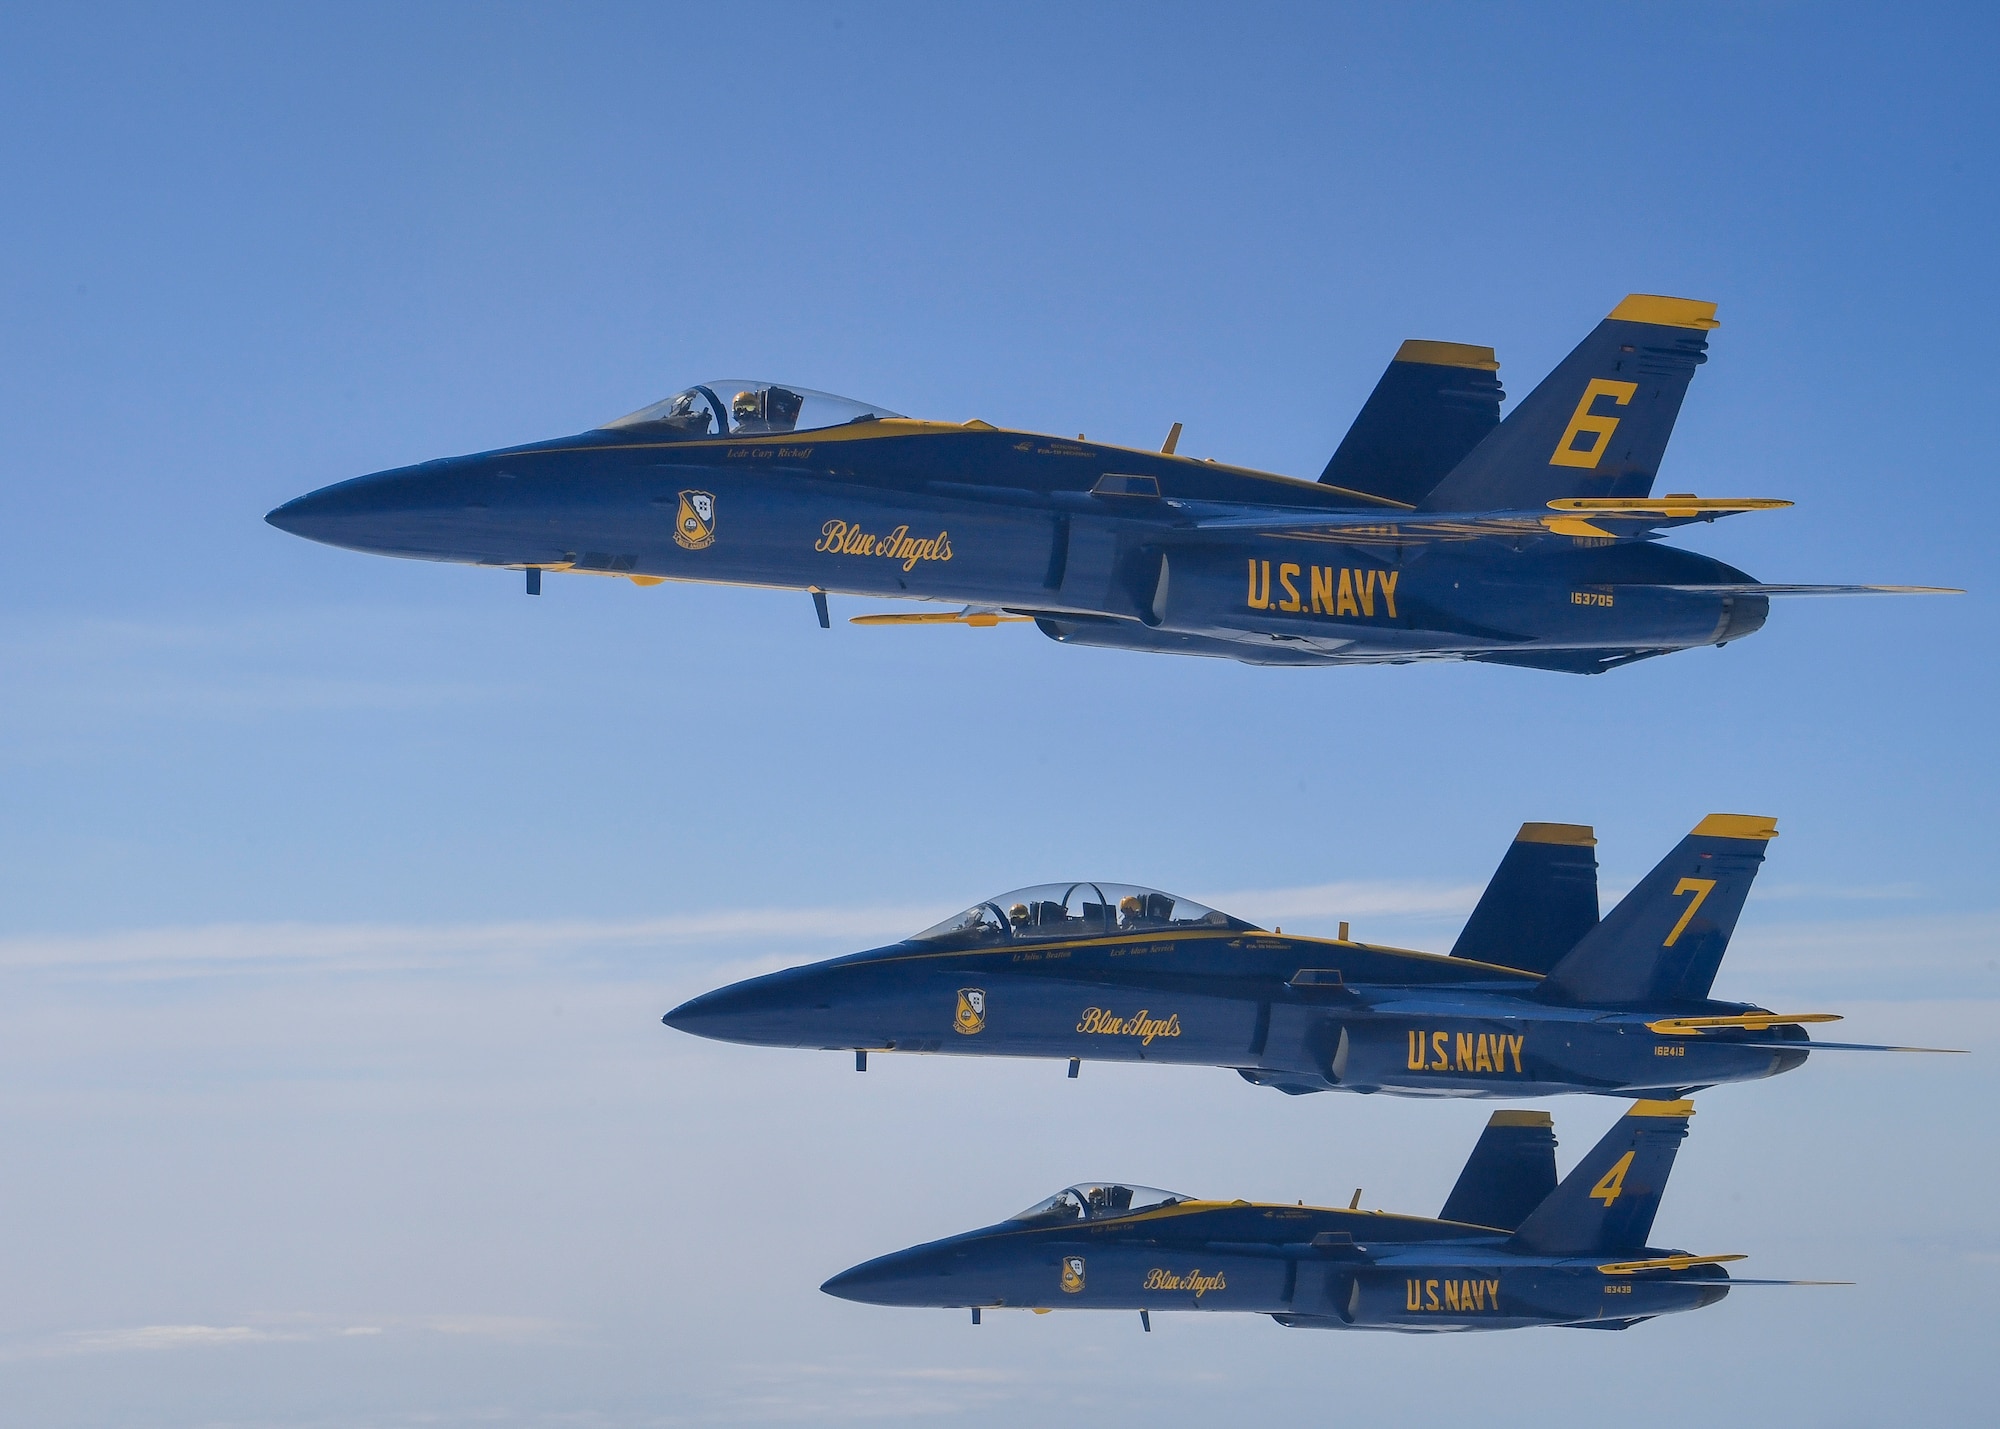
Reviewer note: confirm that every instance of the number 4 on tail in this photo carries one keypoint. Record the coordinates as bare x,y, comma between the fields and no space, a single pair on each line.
1612,1184
1700,888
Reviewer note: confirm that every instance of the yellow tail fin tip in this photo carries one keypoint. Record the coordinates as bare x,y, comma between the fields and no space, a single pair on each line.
1667,312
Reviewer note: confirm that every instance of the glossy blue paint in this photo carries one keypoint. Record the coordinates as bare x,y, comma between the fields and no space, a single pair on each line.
1103,1247
1098,972
1442,544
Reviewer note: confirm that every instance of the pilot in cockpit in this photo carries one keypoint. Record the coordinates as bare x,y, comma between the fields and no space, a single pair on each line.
1131,912
1018,915
1109,1200
766,409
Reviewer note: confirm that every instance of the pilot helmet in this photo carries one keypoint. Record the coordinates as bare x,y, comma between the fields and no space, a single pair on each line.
747,406
1131,905
1018,913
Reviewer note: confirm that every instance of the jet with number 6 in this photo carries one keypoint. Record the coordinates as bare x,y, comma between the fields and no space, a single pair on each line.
1538,996
1436,531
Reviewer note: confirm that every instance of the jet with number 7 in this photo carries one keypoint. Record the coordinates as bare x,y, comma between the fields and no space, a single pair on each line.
1538,995
1437,531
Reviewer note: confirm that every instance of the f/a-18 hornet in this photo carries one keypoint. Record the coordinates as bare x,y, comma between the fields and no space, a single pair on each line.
1436,531
1511,1248
1537,996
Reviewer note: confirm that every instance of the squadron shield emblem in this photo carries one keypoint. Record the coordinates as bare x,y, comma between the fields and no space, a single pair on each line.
1072,1275
694,527
971,1016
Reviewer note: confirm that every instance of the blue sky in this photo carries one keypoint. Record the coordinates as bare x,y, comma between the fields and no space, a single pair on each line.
339,897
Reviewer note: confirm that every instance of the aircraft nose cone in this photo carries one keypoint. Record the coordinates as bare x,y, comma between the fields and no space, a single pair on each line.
297,516
778,1009
886,1280
408,511
849,1284
714,1014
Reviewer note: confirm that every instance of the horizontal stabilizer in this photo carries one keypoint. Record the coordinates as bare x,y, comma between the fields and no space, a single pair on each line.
1760,588
1778,1045
1434,404
1511,1171
1664,942
1734,1282
1542,900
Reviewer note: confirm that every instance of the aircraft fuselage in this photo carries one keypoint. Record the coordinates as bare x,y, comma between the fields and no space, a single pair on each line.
1009,520
1307,1267
1362,1018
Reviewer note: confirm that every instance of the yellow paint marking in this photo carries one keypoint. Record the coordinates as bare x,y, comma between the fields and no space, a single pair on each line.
1600,427
1701,888
1749,1022
1665,1262
1612,1184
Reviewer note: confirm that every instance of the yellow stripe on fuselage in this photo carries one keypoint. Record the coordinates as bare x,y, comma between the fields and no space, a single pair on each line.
891,427
1162,937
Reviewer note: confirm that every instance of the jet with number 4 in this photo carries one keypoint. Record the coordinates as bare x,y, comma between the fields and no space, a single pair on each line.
1511,1248
1436,531
1538,996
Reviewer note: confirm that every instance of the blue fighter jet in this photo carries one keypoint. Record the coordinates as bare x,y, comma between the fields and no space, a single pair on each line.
1511,1248
1436,531
1538,995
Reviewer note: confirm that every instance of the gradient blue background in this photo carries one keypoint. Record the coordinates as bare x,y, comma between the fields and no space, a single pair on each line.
339,897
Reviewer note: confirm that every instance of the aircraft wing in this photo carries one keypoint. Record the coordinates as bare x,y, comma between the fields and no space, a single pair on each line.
1764,1022
1571,516
1665,1262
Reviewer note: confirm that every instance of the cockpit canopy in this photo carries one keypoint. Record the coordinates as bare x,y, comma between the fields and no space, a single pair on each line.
1078,910
732,406
1100,1200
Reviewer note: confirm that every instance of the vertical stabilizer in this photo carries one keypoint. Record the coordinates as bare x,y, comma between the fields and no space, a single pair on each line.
1434,404
1596,426
1664,941
1542,900
1607,1204
1511,1171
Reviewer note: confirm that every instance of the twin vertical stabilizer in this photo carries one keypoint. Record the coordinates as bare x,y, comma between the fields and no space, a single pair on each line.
1664,942
1607,1204
1598,425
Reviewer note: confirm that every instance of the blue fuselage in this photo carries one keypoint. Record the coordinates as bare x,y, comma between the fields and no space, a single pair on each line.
1010,520
1362,1018
1306,1266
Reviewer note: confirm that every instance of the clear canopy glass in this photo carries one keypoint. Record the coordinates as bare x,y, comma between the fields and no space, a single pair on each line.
1099,1200
734,406
1078,910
